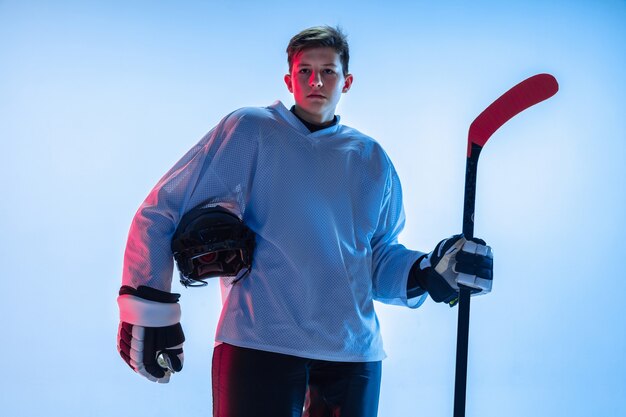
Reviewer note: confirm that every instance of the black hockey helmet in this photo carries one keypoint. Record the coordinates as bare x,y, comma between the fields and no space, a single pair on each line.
212,242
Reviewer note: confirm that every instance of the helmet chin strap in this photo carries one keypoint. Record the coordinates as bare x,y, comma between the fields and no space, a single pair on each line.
190,282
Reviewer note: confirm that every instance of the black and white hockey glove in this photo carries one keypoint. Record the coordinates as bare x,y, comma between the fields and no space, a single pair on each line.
150,337
455,261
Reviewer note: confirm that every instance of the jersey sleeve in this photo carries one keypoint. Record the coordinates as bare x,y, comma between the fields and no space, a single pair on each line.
201,174
392,261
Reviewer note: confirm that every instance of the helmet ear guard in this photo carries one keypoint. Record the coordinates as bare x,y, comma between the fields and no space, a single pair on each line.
212,242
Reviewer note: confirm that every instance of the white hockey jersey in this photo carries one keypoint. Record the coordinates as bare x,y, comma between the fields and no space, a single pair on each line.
326,208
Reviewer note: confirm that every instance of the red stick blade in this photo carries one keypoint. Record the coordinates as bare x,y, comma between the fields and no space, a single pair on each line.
529,92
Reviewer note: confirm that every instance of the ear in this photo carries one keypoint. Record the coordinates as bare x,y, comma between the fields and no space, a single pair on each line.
347,83
287,79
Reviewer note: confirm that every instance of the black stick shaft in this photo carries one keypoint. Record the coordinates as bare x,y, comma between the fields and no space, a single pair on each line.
462,340
469,201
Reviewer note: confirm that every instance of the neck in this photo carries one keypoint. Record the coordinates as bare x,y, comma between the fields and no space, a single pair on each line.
318,119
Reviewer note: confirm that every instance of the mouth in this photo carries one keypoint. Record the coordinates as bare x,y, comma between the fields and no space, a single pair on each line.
315,96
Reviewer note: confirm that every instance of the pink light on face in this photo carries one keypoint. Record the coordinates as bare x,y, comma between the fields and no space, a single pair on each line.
317,82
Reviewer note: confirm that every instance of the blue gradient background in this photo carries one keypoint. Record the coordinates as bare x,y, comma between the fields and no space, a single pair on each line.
99,99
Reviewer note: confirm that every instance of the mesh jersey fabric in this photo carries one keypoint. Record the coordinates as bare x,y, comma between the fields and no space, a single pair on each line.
326,208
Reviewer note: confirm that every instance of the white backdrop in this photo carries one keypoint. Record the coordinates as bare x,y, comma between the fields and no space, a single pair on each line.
99,99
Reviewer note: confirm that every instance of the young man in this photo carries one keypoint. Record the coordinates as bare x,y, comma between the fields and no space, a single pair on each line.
325,204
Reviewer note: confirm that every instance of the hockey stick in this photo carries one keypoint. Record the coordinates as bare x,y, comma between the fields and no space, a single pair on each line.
524,95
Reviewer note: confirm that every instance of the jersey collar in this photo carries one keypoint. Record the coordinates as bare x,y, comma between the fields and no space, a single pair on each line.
293,120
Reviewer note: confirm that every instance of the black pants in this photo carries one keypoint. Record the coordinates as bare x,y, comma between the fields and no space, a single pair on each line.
255,383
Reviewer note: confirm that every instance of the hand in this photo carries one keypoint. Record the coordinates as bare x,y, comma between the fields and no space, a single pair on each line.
456,261
150,337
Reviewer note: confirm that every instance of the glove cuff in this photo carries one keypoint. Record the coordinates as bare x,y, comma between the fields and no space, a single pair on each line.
147,313
416,284
149,293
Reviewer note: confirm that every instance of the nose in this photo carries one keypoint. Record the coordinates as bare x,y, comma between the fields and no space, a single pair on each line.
316,79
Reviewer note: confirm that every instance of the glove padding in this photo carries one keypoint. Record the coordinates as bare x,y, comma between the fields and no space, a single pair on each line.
150,337
456,261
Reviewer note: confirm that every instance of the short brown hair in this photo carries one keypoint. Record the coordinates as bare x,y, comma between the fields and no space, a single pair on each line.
320,36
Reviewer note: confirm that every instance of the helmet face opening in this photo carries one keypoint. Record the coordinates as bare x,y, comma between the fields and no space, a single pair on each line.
211,242
217,264
207,259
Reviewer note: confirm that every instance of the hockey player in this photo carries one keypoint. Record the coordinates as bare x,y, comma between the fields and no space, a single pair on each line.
325,205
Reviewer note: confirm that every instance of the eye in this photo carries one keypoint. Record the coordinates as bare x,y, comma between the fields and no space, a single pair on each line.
303,71
329,71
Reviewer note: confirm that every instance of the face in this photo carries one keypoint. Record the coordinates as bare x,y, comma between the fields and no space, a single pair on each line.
317,82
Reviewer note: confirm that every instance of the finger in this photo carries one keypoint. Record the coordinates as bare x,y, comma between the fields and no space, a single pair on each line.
477,284
485,284
165,379
126,358
136,343
174,358
175,338
450,245
125,334
473,258
166,359
477,248
484,273
465,259
129,346
474,265
150,354
155,370
468,281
